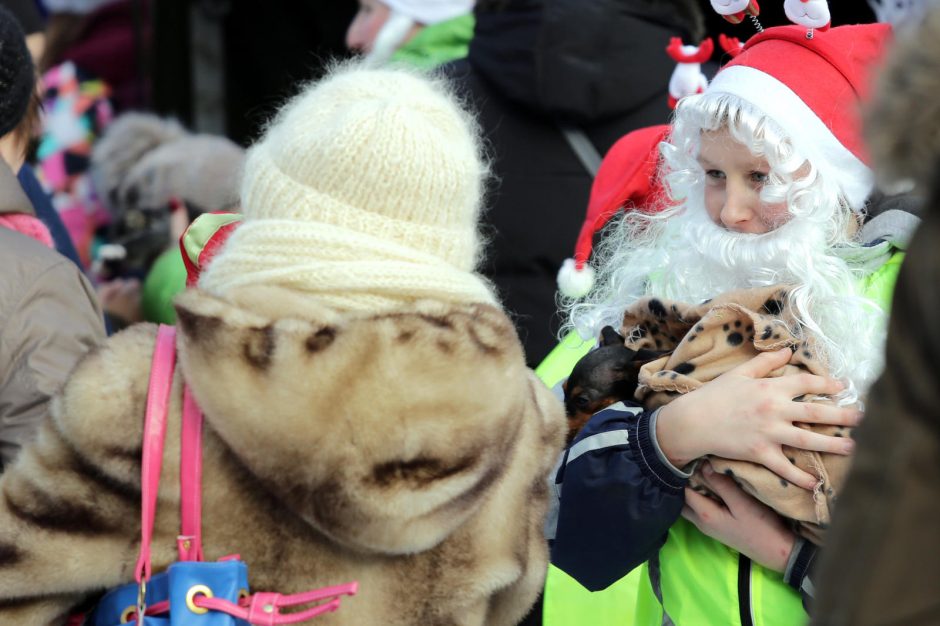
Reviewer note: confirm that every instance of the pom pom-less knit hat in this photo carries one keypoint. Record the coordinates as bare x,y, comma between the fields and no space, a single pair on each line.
17,74
366,191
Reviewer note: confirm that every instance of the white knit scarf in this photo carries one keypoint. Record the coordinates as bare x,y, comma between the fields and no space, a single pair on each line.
348,270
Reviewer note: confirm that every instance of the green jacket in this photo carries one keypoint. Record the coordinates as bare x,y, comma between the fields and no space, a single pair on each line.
166,279
438,43
700,580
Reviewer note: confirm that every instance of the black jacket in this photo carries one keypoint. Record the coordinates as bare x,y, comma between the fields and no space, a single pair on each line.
599,65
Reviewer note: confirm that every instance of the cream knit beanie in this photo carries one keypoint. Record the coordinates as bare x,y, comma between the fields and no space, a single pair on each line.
365,190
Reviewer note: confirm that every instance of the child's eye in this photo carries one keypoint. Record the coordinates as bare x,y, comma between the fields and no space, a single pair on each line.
715,174
759,177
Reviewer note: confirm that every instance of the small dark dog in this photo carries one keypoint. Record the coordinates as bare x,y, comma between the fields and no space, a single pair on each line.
602,377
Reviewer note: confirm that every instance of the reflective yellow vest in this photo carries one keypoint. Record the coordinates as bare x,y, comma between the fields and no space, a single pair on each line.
696,579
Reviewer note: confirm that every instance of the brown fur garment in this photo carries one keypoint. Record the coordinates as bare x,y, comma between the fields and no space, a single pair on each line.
902,121
408,451
706,341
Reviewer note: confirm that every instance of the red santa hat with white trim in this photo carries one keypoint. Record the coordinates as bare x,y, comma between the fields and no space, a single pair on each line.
810,82
626,180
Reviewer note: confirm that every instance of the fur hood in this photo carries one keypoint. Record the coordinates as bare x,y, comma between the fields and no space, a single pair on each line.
379,448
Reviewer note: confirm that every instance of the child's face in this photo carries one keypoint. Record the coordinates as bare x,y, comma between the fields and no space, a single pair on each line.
733,181
366,25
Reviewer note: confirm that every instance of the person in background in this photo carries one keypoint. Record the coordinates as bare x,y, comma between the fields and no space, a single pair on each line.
30,20
347,278
157,177
541,74
419,33
880,565
104,39
49,315
770,184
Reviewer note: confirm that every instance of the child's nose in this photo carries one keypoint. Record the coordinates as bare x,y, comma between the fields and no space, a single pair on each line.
738,209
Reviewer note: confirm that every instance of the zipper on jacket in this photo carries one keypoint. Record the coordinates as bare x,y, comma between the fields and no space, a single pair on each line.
744,590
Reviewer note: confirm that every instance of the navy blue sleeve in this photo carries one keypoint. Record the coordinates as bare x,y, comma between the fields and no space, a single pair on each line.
47,214
616,498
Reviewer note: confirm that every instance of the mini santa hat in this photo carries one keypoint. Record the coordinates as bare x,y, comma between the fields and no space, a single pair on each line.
812,84
626,178
203,239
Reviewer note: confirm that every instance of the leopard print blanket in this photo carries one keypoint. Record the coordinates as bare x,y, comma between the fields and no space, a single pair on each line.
702,342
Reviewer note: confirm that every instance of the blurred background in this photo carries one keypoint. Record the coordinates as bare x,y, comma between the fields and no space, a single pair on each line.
147,108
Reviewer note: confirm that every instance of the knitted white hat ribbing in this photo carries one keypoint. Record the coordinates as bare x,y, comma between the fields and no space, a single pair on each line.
365,190
430,11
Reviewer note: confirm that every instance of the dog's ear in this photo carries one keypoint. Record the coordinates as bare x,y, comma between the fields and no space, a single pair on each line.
610,337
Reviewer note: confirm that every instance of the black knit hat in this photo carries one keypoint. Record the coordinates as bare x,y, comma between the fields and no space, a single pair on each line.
17,74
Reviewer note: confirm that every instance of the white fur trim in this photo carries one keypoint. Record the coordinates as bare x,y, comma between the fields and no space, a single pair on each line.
810,135
575,283
431,11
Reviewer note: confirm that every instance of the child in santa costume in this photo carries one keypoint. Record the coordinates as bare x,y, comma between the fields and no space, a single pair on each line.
768,184
368,412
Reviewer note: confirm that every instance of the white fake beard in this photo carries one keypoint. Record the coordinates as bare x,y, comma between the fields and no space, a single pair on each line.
701,259
689,258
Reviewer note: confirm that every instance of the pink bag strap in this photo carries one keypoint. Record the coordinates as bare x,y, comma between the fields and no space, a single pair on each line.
189,543
264,609
158,401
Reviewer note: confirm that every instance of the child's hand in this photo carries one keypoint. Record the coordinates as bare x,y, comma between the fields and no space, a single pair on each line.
742,522
744,416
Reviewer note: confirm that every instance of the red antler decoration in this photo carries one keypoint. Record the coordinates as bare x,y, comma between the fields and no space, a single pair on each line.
702,54
731,45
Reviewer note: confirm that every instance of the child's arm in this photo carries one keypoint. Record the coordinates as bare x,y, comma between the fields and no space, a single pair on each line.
619,496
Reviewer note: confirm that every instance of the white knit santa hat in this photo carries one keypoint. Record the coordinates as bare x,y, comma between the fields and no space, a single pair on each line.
365,190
